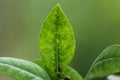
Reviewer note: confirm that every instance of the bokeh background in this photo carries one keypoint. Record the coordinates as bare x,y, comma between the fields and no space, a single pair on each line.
96,24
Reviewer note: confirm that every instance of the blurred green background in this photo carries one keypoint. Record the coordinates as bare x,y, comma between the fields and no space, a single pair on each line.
96,24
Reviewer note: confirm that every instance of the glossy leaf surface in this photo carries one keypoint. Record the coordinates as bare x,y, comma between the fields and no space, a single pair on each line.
57,43
108,62
21,69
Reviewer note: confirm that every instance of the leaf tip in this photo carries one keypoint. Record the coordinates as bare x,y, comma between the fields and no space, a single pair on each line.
58,4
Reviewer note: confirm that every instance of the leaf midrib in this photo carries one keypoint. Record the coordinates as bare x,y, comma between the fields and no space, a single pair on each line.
19,68
57,40
99,62
117,58
106,54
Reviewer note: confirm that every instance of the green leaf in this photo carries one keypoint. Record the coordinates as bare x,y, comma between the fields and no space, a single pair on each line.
108,62
57,43
67,72
20,69
72,74
40,62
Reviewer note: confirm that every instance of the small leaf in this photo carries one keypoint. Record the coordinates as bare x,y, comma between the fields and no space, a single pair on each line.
108,62
20,69
74,75
40,62
57,43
